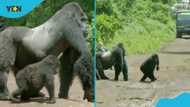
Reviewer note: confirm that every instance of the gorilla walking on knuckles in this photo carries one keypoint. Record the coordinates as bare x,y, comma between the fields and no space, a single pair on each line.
148,67
34,77
114,58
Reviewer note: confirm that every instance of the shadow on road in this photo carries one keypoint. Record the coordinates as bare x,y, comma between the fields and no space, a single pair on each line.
173,52
187,37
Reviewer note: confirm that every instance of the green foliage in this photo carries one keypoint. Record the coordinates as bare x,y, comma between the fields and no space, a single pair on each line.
107,25
144,25
43,12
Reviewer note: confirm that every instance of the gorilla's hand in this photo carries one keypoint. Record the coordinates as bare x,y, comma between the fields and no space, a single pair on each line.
157,68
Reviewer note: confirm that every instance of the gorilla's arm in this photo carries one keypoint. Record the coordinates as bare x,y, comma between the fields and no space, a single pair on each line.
100,69
157,65
125,70
50,88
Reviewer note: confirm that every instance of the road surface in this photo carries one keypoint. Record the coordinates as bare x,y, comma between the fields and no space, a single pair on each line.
173,78
75,96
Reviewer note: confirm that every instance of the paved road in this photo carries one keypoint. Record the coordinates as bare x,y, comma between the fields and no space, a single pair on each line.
173,78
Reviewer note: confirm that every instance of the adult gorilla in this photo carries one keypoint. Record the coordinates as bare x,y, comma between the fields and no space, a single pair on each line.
62,33
116,58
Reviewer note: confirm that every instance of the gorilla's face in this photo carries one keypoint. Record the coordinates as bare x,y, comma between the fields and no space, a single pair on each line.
82,21
81,18
76,13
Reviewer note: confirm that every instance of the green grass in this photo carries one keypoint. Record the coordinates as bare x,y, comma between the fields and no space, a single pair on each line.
147,37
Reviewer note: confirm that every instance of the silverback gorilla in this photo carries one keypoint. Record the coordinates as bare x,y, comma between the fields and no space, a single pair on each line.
148,67
114,58
63,33
34,77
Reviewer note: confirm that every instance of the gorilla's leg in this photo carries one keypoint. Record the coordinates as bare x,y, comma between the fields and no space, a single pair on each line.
50,88
66,73
100,70
117,68
88,84
15,95
88,89
4,93
39,94
25,96
98,77
22,91
102,74
152,77
125,71
143,78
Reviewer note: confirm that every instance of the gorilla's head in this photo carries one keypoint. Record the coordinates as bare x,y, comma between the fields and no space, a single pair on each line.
79,15
120,45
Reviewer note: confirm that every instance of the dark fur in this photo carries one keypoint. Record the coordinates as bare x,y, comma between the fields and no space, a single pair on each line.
148,67
34,77
88,86
116,59
69,67
3,86
7,58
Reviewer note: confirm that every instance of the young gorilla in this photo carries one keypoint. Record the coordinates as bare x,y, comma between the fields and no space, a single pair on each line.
34,77
148,67
114,58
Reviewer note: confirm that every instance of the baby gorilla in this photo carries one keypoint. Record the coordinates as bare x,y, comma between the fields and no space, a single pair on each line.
148,67
34,77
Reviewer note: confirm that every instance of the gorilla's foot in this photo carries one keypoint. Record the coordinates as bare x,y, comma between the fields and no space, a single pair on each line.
89,95
153,80
51,101
142,81
4,96
116,78
125,79
64,96
15,100
40,94
105,78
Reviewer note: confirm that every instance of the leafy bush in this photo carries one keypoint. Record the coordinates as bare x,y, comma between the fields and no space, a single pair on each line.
46,10
106,25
